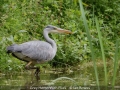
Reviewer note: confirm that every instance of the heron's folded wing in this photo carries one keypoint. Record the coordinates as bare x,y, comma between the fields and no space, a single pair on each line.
37,50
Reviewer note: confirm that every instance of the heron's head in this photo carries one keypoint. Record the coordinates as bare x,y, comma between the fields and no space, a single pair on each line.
54,29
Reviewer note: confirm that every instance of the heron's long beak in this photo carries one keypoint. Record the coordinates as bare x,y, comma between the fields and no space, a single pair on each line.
59,30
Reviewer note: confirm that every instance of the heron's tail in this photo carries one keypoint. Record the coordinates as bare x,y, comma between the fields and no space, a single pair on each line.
10,49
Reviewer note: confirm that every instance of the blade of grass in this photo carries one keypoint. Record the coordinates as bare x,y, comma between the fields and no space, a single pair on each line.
90,42
93,15
102,49
115,63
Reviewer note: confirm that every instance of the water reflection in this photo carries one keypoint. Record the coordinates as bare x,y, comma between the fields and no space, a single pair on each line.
35,84
51,80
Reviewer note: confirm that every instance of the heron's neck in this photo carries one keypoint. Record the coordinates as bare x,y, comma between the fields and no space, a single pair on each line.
49,40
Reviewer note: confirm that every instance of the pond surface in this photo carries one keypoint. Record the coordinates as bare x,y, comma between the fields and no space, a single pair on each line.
53,80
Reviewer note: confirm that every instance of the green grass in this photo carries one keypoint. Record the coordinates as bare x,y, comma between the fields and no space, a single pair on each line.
90,42
115,63
102,49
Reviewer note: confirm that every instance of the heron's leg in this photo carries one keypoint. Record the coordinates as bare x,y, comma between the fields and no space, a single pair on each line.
28,65
32,67
37,71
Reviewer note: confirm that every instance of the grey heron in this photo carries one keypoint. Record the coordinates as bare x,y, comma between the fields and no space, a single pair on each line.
37,51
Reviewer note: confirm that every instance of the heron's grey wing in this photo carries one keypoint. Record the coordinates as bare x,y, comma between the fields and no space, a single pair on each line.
35,50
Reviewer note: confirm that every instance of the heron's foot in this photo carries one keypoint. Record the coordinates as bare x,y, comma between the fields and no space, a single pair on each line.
37,72
27,67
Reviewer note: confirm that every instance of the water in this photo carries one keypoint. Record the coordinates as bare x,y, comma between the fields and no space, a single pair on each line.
53,80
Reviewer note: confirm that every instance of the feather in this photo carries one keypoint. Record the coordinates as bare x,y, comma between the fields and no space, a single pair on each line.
39,51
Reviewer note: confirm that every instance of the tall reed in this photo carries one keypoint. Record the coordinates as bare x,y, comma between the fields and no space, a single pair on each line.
115,63
90,42
102,49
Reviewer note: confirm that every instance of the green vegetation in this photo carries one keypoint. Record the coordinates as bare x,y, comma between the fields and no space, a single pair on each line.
90,41
102,50
96,30
115,62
